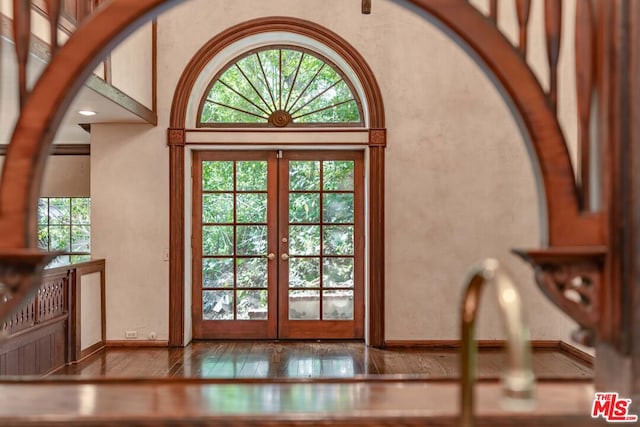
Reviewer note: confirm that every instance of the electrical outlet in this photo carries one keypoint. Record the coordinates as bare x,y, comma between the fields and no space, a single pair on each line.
152,336
131,335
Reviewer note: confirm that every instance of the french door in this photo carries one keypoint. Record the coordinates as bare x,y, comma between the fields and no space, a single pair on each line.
278,244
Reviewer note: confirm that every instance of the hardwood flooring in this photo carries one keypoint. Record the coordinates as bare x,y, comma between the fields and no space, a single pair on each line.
297,403
282,360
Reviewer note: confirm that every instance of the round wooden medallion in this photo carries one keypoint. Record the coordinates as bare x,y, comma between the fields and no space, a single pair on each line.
280,118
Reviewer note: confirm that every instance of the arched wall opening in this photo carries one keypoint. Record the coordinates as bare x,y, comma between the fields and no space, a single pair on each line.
42,113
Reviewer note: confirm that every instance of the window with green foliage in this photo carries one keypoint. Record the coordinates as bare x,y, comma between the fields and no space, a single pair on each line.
64,227
280,86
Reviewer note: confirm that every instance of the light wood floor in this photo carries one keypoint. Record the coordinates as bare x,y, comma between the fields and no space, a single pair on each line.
310,360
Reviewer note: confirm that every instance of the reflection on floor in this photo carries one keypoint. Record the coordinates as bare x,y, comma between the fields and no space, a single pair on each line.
309,360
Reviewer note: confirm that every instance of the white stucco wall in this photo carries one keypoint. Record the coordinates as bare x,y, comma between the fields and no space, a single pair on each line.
65,176
131,66
460,186
130,226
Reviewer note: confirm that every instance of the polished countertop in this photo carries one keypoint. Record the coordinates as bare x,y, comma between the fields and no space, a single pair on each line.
262,403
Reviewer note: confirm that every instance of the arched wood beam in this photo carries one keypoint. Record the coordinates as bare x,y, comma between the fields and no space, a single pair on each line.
46,106
566,225
213,47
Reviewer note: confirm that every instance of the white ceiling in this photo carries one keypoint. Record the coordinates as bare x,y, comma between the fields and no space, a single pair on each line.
69,132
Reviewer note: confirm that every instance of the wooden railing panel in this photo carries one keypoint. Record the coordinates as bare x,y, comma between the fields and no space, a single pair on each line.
45,333
23,319
51,299
50,302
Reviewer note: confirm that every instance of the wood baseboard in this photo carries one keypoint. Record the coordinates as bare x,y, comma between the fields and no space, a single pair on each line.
91,350
456,344
136,343
561,346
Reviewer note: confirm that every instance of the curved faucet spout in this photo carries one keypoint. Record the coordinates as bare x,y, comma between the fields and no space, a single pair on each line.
518,379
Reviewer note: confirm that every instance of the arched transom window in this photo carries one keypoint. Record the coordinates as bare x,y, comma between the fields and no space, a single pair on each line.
280,86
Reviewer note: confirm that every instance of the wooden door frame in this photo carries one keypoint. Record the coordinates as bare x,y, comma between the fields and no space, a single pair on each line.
279,203
377,142
331,329
245,329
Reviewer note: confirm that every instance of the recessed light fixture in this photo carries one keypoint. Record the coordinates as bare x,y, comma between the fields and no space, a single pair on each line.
87,113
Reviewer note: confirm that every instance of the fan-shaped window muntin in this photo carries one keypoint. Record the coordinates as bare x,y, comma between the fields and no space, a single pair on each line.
280,86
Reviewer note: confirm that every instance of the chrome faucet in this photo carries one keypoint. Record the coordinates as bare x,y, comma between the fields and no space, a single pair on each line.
518,381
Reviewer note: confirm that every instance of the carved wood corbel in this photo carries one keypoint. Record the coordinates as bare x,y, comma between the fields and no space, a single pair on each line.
377,138
572,278
176,137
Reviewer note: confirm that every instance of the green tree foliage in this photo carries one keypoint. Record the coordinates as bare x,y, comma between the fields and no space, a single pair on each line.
273,79
234,267
64,226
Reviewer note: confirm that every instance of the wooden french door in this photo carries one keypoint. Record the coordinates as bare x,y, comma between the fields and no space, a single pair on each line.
278,245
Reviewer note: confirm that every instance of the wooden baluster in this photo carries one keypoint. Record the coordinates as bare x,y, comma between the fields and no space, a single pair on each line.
493,11
1,80
83,10
585,80
53,11
523,7
366,7
553,33
22,37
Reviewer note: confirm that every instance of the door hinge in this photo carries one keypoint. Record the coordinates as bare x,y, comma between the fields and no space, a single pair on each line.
279,154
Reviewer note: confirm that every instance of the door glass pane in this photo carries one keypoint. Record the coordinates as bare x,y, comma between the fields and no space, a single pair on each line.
338,175
252,305
251,207
337,305
304,240
251,239
304,175
337,208
304,305
304,207
304,272
234,240
337,273
251,272
338,240
217,176
217,208
217,273
217,240
217,305
251,175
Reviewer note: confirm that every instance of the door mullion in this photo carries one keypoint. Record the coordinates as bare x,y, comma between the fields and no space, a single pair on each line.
321,260
283,243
